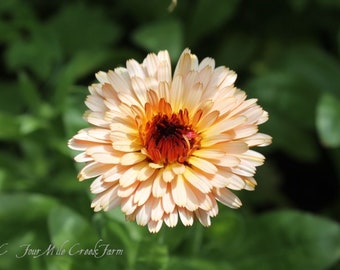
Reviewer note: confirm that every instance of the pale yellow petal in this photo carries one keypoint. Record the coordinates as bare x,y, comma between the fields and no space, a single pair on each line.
142,193
186,216
226,197
132,158
178,191
155,226
202,164
197,180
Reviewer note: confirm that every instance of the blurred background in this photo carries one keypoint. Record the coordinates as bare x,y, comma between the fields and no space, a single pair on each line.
286,53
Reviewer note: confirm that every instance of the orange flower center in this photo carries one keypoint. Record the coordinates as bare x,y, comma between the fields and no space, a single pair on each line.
170,138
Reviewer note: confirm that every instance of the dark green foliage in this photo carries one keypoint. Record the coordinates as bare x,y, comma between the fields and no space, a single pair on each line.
286,54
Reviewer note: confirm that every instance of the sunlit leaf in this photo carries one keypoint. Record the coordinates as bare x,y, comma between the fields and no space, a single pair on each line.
209,15
198,264
328,120
24,206
68,228
152,256
81,27
165,35
10,128
288,240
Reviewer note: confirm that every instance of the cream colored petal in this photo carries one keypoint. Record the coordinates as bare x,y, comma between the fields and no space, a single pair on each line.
178,168
258,139
132,158
95,103
143,192
143,214
135,69
203,217
224,125
168,202
176,93
252,157
206,202
197,180
178,191
213,211
93,169
96,118
157,211
104,154
145,173
218,138
209,154
202,164
250,183
171,219
168,174
103,200
99,134
130,175
264,118
155,226
119,80
244,131
207,121
164,68
83,157
244,170
236,182
115,201
228,161
124,192
114,173
150,64
126,127
102,77
164,90
127,206
232,147
127,145
222,77
207,62
159,186
99,186
139,88
186,216
192,202
186,63
128,99
226,197
95,89
222,178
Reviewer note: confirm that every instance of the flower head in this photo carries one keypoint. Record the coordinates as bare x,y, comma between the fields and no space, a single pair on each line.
165,147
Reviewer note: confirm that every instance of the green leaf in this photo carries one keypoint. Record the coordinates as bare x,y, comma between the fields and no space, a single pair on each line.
163,35
10,128
67,227
24,207
288,240
315,68
81,27
290,103
29,92
207,16
328,120
39,53
180,263
152,256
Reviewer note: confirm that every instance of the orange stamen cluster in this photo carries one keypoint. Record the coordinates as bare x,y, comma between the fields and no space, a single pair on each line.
169,137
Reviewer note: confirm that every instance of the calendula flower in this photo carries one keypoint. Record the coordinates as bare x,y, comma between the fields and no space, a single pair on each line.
163,147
